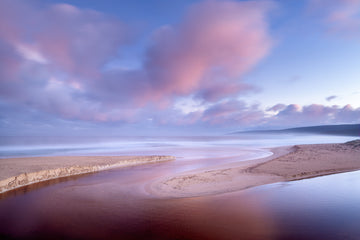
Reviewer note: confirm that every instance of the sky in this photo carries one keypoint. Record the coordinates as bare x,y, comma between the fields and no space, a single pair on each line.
180,67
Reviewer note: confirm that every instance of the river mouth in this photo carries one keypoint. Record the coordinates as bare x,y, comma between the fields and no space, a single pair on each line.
95,207
113,205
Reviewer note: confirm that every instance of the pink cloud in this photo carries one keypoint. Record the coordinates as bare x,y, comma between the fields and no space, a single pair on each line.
238,114
314,114
52,60
83,41
205,55
339,15
348,114
277,107
62,42
217,43
70,39
233,113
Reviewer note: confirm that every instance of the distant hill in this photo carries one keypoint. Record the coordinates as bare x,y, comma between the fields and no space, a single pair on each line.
339,130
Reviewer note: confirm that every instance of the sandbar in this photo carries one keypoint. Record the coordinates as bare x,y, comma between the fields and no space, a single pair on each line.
286,164
19,172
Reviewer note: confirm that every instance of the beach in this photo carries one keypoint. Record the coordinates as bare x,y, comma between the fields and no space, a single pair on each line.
286,164
157,201
19,172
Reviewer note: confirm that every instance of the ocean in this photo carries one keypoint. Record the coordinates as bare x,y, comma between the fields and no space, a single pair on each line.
190,146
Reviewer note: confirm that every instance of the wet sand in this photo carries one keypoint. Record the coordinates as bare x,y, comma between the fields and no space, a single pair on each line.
19,172
287,164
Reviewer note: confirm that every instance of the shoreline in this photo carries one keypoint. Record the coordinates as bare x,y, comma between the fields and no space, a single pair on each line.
286,164
20,172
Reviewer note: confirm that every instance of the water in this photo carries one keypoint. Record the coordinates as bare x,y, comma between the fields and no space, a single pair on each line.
115,204
319,208
178,146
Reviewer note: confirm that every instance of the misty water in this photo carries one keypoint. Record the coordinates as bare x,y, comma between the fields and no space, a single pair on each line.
185,146
115,204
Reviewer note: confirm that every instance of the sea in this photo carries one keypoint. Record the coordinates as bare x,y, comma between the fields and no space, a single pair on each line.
182,146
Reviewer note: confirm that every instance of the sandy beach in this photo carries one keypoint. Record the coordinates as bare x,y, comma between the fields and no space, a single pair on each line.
19,172
286,164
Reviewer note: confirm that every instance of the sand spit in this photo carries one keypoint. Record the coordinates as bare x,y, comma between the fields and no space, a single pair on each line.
308,161
19,172
287,164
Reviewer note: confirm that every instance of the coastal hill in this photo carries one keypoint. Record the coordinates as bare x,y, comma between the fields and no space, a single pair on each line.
339,130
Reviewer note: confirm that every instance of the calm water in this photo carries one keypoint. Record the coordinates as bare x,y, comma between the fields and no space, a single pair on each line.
189,147
115,204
